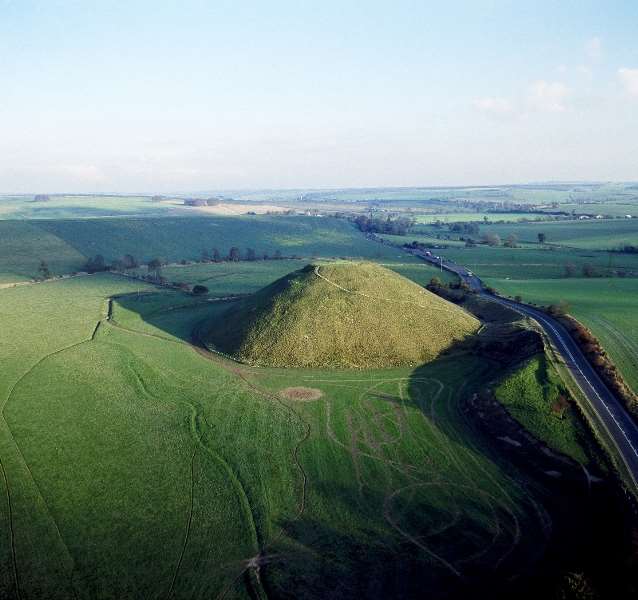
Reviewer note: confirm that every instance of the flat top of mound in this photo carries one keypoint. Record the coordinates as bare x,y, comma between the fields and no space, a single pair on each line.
345,314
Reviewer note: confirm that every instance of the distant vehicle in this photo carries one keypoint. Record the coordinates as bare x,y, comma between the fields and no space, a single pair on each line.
428,253
470,274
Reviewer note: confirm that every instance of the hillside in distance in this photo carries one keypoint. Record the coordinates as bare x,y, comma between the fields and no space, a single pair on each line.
341,315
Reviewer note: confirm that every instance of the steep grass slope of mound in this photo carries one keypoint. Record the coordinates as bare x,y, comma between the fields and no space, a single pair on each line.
352,315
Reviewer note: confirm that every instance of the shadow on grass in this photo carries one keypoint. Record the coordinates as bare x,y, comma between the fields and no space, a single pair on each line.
342,548
351,551
175,313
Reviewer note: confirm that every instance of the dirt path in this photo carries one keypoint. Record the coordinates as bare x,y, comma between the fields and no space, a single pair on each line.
441,308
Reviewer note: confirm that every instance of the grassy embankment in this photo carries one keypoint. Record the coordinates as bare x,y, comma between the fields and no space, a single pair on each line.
535,397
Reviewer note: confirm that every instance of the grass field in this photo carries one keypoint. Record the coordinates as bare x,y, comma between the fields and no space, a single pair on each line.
186,237
225,278
537,263
66,244
70,207
190,472
606,305
466,217
588,235
23,246
609,307
593,234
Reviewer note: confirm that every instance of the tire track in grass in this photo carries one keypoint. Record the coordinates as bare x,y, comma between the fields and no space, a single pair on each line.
419,541
450,454
333,436
455,460
541,513
239,488
10,393
188,529
387,513
505,496
11,533
203,351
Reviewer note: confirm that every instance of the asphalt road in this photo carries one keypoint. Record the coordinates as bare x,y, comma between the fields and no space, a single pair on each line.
611,414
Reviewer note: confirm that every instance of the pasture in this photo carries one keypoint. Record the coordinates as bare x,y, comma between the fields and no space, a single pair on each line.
194,477
480,217
80,206
246,277
22,247
67,244
174,239
538,263
594,234
604,234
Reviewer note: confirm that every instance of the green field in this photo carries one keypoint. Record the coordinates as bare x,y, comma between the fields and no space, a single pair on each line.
606,303
135,465
83,206
594,234
538,263
225,278
186,237
607,306
22,247
467,217
66,244
189,471
605,234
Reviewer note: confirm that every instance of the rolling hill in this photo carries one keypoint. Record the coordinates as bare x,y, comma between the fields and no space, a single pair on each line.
343,315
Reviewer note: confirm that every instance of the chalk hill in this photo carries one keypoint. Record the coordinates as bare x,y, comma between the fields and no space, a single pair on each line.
344,314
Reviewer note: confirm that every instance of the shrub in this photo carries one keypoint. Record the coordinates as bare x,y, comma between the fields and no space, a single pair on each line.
200,290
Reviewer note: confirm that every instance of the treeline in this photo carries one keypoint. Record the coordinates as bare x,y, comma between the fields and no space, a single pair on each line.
589,271
470,228
452,292
98,263
389,225
235,254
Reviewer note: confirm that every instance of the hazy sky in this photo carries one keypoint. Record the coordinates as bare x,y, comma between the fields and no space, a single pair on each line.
191,95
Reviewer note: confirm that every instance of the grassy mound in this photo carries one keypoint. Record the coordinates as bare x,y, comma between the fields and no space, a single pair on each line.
345,314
